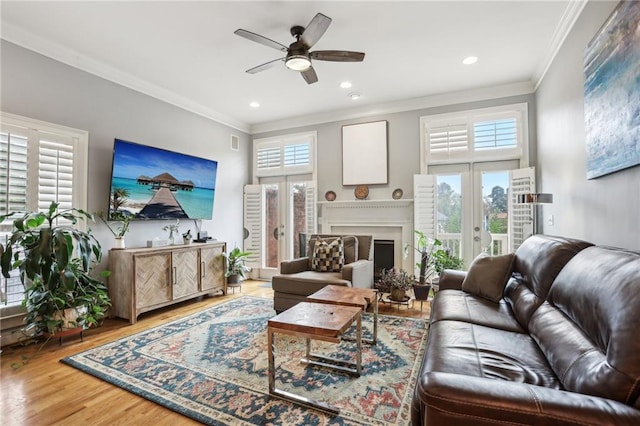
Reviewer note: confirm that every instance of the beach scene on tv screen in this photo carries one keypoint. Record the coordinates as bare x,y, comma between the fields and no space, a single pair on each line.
151,183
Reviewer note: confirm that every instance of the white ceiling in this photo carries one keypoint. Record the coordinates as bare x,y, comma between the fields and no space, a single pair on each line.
186,53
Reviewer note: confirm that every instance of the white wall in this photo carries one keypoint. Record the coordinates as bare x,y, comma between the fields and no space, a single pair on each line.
38,87
604,210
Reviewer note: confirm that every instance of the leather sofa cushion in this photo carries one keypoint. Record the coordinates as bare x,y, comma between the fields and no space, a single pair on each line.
475,350
538,262
488,275
588,328
459,306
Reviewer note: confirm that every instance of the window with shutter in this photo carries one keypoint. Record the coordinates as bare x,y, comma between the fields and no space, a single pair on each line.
39,163
284,155
488,134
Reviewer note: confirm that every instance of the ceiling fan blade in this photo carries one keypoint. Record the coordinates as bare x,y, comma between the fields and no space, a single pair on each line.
309,75
337,55
261,39
315,29
265,66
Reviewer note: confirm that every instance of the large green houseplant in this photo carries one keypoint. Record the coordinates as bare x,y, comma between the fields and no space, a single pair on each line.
56,260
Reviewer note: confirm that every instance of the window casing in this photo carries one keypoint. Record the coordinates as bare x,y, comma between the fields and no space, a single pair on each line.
487,134
39,163
284,155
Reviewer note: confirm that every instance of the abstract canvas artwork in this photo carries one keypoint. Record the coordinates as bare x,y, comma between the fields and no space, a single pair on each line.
612,93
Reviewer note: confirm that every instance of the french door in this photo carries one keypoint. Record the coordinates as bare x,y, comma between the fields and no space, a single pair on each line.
472,207
280,221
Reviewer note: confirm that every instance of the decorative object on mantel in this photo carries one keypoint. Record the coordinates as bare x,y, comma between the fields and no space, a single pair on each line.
612,93
329,195
364,153
397,193
361,192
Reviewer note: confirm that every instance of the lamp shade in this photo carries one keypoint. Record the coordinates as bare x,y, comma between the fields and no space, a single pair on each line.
534,198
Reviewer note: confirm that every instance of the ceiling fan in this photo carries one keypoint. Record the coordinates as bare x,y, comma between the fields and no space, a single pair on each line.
298,57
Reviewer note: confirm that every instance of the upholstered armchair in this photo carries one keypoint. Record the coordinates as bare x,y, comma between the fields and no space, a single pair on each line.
304,276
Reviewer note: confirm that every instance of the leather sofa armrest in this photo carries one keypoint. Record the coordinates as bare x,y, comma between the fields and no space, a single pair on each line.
294,266
452,399
360,273
451,279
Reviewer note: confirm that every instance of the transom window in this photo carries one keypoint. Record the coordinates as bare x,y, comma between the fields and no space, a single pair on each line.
284,155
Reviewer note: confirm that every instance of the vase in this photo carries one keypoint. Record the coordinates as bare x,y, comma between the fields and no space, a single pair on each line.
397,294
119,243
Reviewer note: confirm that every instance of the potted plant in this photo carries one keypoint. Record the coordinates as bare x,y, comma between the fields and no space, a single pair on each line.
172,229
118,233
236,267
56,261
396,283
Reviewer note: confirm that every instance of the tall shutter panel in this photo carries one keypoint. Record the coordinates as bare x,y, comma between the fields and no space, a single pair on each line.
424,207
55,173
311,208
521,181
13,172
254,205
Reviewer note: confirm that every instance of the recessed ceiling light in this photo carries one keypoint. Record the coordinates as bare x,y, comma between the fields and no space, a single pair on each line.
254,104
354,96
470,60
346,84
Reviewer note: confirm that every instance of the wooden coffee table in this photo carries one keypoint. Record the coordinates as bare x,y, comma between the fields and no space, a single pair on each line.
315,321
349,296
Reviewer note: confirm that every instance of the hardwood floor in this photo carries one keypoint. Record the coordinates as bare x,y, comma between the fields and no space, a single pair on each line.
43,391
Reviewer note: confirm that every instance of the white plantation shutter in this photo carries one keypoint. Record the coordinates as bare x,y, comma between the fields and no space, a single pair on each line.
486,134
447,140
425,197
521,181
13,170
55,172
284,155
311,199
254,224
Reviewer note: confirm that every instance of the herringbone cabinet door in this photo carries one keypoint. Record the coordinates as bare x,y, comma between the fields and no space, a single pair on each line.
185,270
212,265
153,281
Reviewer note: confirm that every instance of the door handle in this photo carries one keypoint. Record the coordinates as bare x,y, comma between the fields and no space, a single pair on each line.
204,271
275,233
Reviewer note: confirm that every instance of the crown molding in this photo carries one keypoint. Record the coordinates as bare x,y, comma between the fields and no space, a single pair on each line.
567,21
30,41
452,98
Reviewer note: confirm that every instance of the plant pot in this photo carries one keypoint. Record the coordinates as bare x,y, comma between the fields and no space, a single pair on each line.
69,318
119,243
234,279
421,291
397,294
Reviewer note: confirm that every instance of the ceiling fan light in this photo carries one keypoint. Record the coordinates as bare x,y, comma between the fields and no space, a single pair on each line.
298,62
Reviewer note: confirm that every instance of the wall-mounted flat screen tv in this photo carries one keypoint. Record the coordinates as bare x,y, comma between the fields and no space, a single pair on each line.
153,183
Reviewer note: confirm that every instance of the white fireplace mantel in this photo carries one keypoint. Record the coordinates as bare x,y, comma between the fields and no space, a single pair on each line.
384,219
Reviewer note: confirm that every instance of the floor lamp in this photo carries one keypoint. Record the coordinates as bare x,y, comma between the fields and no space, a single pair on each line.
535,199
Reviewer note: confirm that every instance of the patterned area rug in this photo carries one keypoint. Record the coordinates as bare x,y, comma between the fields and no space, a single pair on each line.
212,367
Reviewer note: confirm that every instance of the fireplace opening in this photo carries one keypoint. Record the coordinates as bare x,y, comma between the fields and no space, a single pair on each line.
383,257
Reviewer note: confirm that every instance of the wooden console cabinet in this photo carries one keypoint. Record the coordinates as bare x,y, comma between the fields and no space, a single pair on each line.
143,279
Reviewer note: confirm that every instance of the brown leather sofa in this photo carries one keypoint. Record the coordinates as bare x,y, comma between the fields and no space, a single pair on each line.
297,281
562,347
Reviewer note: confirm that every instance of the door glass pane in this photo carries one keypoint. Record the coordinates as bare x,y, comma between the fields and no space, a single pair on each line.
450,212
272,223
299,218
495,187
